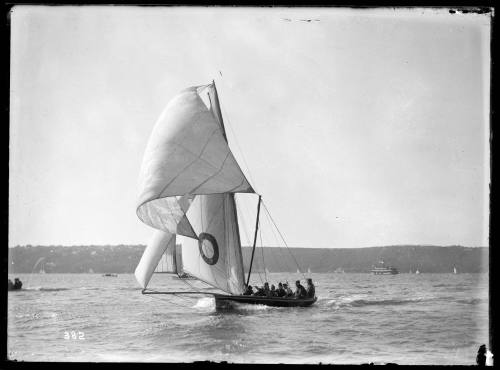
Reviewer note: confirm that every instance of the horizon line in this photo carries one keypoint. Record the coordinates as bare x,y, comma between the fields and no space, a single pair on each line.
267,246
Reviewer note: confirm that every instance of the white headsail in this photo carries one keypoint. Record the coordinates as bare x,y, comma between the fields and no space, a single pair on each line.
157,246
187,185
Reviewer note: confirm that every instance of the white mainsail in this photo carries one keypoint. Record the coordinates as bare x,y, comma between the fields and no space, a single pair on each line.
187,184
216,256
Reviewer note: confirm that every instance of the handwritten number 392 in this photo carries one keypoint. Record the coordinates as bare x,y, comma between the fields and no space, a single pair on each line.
80,335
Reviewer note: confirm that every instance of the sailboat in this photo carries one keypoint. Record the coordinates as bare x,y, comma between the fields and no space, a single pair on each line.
308,270
187,187
417,272
454,270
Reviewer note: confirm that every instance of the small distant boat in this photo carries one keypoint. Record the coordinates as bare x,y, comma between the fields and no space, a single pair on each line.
298,271
381,269
309,270
16,285
110,275
417,272
339,270
454,270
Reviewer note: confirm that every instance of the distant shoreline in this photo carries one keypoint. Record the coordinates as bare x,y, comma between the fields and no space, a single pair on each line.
122,259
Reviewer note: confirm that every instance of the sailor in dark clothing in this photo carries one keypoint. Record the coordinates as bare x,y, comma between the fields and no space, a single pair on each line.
260,292
17,283
248,290
311,291
301,291
11,285
481,356
281,292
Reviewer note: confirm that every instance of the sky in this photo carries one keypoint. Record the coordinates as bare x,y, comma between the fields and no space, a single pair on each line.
359,127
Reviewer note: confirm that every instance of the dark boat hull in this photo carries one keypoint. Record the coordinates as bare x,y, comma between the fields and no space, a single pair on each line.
225,301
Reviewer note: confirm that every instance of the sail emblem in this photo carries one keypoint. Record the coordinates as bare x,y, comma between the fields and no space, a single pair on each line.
209,249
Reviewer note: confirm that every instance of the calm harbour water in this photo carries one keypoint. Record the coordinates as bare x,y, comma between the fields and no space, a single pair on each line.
358,318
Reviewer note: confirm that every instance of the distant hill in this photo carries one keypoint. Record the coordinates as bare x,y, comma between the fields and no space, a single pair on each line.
124,259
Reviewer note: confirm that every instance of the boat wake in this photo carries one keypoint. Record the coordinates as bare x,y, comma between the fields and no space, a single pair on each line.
350,302
252,307
42,289
206,303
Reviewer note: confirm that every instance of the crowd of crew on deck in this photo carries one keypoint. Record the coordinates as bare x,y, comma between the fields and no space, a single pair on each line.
283,291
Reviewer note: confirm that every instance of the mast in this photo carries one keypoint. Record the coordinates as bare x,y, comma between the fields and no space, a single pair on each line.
254,240
232,199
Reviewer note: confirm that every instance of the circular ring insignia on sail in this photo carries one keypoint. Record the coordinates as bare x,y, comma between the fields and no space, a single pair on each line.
207,243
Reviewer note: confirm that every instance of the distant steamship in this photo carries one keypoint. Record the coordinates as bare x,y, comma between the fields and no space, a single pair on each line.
382,269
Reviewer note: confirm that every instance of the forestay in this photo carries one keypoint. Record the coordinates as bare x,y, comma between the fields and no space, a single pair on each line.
186,187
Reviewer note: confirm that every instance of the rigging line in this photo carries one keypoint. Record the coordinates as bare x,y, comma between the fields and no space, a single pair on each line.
280,248
281,235
275,259
262,252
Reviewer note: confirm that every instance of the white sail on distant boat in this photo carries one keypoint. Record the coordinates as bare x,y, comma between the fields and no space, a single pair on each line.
454,270
417,272
188,182
308,270
298,271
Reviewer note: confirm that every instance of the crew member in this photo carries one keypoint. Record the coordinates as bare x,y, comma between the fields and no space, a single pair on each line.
300,292
311,291
281,292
